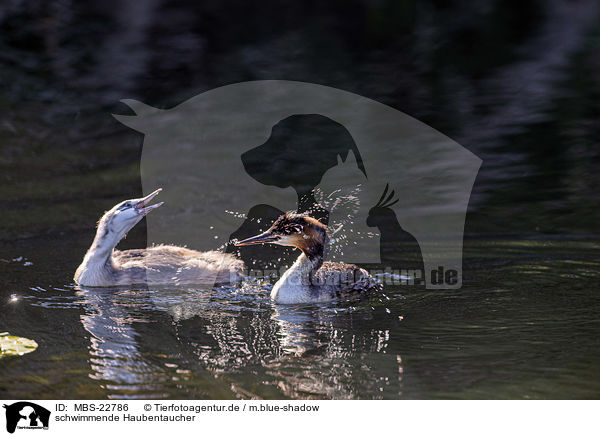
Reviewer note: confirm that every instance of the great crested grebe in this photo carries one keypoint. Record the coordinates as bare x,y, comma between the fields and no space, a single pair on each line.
310,279
163,264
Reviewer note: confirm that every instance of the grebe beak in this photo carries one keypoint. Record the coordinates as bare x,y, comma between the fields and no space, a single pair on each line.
140,206
263,238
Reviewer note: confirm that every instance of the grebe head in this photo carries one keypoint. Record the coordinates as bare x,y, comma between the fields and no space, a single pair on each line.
294,230
115,223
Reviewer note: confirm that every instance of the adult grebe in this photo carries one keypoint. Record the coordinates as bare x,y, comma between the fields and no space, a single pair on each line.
310,279
163,264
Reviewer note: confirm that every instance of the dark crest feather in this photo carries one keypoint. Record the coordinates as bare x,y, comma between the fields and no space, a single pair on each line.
388,200
293,222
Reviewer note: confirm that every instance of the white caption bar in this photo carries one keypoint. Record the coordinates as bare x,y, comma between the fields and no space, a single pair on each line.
299,417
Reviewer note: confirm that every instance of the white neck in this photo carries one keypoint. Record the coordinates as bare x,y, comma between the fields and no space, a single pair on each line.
97,266
294,284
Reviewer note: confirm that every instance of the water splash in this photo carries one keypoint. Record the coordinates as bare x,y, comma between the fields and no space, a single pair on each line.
343,206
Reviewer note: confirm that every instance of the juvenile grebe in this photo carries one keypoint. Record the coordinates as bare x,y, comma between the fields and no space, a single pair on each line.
310,279
163,264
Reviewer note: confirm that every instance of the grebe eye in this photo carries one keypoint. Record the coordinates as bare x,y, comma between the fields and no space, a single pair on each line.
293,229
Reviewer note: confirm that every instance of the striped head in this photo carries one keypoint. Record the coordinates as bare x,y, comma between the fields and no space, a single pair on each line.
294,230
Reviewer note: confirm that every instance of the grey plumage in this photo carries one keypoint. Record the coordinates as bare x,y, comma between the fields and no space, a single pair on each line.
162,264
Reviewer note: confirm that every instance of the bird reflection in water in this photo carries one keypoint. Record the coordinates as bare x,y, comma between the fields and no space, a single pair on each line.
237,342
115,356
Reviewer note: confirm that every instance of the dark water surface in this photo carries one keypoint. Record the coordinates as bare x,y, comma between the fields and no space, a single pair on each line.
516,84
524,325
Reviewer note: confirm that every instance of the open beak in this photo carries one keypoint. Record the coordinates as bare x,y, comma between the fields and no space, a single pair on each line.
263,238
141,205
